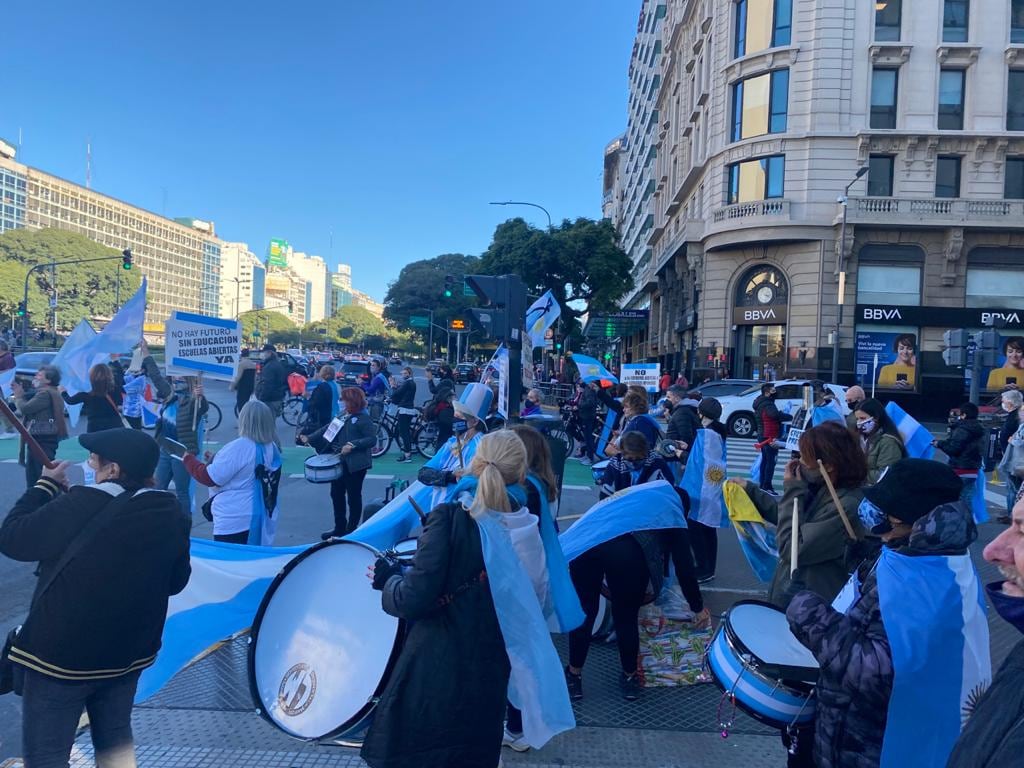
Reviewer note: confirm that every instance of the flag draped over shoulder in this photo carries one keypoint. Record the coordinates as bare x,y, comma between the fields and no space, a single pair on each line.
830,411
916,439
540,316
703,478
568,613
756,535
933,610
591,370
648,506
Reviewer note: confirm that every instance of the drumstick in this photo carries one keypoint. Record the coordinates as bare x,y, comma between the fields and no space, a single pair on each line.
196,402
33,446
419,510
794,533
835,500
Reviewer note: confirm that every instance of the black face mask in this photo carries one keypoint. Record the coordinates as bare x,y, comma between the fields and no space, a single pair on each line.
460,427
1011,609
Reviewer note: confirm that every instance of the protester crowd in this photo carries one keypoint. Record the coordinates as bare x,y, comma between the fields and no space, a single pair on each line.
864,518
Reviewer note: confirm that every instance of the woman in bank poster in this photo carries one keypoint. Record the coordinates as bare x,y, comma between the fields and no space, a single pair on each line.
901,372
1011,373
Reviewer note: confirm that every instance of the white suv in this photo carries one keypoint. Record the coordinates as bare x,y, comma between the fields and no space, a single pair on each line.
738,410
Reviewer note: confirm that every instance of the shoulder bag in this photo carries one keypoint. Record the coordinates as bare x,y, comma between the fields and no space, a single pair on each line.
46,427
88,533
124,421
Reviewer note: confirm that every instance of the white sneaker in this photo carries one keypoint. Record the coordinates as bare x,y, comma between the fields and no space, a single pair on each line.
514,742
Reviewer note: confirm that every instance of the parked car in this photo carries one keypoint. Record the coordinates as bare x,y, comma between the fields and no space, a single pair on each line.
726,387
466,372
395,360
434,366
27,363
353,373
738,410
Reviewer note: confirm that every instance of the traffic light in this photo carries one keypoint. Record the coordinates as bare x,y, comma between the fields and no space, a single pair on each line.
987,345
955,342
21,309
291,306
126,258
558,346
607,355
449,286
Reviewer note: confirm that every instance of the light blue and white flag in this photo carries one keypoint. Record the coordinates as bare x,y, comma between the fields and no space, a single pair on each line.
540,316
6,379
979,507
263,522
933,609
916,439
645,507
830,411
223,594
568,613
74,360
591,370
703,478
124,331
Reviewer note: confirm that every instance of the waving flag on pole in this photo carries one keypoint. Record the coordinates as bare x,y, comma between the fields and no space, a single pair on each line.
540,316
916,439
74,360
703,478
933,610
591,370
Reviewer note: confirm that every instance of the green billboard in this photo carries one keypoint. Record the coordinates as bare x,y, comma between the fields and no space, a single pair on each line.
277,254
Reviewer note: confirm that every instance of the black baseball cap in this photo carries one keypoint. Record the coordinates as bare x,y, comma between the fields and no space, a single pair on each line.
133,450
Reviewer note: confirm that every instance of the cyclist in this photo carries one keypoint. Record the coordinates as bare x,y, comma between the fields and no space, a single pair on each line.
403,396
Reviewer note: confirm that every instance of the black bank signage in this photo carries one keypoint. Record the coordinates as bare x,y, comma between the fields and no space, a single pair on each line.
759,315
939,317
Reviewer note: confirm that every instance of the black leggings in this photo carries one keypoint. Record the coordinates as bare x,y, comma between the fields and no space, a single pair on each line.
347,496
404,436
682,559
704,542
622,564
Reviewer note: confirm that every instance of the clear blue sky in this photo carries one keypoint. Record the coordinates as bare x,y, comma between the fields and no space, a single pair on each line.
392,123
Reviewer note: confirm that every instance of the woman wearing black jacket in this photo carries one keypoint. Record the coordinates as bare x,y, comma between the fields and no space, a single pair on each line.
323,401
403,397
99,405
352,443
89,634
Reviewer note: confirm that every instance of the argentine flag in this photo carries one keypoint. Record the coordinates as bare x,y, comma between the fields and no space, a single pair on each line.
591,370
830,411
540,316
703,478
933,609
916,439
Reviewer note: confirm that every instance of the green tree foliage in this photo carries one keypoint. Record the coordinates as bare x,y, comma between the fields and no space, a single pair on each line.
83,290
579,261
274,327
349,325
420,287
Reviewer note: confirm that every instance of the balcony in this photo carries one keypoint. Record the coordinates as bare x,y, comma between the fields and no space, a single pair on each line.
936,212
752,212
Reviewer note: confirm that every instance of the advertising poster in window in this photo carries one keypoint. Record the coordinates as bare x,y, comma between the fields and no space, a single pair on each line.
897,358
1009,369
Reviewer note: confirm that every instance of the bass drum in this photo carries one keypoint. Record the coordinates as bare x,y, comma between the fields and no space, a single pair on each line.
321,648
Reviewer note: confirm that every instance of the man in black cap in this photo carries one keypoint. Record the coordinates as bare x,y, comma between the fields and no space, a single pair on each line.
273,381
110,555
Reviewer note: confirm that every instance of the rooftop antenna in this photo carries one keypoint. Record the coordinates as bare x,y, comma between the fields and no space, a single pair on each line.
88,163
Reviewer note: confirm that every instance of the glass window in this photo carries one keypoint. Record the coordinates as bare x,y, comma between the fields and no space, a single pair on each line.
883,284
954,21
757,179
880,168
762,24
1017,21
994,287
951,99
1015,101
887,19
759,105
947,176
883,97
1013,186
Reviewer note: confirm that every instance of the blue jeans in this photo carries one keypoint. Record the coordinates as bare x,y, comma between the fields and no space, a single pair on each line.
967,492
168,468
51,709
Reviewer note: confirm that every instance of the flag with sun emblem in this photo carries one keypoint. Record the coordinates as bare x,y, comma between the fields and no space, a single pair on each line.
703,478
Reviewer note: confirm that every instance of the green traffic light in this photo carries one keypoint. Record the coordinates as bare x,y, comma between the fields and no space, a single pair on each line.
127,265
447,293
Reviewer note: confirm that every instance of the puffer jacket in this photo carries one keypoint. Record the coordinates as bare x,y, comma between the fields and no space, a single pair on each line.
882,450
964,446
856,676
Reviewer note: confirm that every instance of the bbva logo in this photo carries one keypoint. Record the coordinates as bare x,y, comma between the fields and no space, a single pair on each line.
871,313
1010,317
759,314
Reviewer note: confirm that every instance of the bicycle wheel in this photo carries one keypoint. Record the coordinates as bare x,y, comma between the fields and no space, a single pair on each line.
384,438
294,408
213,416
424,438
557,433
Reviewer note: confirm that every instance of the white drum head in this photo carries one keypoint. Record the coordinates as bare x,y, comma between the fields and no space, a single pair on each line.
406,548
765,632
322,644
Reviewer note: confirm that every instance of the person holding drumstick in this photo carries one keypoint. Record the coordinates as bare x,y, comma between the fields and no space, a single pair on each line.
351,437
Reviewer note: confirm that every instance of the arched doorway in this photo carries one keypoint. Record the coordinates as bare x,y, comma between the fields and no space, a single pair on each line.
760,315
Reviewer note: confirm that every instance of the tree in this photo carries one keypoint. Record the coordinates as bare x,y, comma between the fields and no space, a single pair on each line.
579,261
272,325
420,287
349,325
83,290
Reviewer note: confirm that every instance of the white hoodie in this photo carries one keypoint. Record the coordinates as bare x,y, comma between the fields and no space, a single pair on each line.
526,541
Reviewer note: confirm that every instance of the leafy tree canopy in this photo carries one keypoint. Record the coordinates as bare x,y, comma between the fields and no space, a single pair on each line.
420,287
83,290
271,325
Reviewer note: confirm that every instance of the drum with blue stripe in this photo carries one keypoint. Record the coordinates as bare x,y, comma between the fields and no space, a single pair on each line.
755,658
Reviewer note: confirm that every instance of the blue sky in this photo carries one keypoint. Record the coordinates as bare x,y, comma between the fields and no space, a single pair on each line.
391,123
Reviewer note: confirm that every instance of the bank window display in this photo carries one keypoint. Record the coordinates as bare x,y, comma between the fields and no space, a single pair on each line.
762,24
994,287
895,345
1013,185
887,20
884,89
1015,101
880,175
889,285
760,179
760,104
760,316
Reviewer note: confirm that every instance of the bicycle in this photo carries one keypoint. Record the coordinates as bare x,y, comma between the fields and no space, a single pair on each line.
294,412
423,435
213,418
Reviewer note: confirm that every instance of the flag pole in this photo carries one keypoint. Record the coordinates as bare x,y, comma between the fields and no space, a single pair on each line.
794,533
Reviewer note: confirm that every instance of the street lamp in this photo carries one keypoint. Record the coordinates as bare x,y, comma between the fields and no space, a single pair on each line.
842,200
533,205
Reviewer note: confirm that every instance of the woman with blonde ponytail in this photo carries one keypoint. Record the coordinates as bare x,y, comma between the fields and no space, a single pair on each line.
444,705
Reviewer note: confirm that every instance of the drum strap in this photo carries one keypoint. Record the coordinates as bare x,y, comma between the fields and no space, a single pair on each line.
470,583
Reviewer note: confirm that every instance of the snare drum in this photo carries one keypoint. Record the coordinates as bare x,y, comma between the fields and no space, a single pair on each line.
323,468
755,657
321,649
597,470
405,550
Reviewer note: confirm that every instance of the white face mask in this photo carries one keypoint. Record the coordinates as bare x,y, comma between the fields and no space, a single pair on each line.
705,420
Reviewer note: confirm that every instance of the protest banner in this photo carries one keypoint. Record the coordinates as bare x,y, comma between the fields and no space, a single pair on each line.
200,344
645,375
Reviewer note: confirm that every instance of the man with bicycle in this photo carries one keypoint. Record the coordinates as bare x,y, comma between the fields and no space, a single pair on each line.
272,384
403,397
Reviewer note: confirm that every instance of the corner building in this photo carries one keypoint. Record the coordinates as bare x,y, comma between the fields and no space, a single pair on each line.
747,121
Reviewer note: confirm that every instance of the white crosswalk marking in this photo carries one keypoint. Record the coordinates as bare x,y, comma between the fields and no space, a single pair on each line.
741,454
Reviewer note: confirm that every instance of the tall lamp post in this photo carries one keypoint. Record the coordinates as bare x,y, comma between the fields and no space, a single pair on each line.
532,205
841,290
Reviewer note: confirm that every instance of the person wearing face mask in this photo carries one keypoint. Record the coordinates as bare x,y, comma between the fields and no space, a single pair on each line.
855,395
879,438
906,622
531,405
965,448
769,432
993,737
43,414
469,425
273,381
324,401
403,397
1011,402
683,421
378,387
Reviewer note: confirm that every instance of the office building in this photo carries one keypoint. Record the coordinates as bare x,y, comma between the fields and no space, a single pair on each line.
242,280
747,120
285,292
312,269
